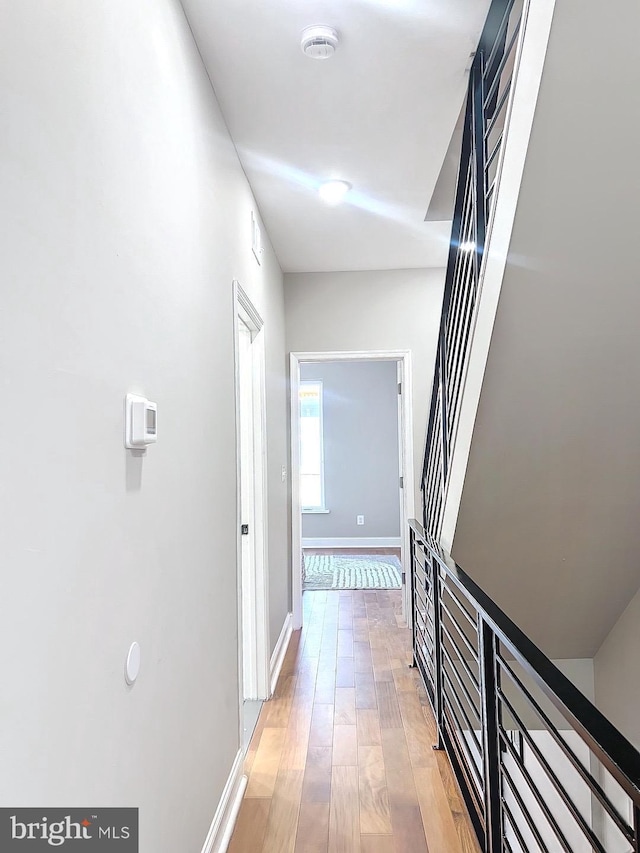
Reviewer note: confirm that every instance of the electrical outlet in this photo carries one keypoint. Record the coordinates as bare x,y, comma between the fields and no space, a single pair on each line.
360,519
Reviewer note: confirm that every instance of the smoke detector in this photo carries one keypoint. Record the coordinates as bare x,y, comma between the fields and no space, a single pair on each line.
319,42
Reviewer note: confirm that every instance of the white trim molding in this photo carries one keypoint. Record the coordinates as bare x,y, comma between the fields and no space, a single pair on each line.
224,820
407,509
277,658
247,306
354,542
254,598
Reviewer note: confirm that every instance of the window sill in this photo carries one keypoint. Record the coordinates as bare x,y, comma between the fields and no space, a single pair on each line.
316,511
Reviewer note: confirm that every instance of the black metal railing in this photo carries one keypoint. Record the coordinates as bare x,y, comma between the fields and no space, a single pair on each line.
490,84
540,768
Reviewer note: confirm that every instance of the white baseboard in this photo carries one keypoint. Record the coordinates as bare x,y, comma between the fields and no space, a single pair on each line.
354,542
277,658
224,819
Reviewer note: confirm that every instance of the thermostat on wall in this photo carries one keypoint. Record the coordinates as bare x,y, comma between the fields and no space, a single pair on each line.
141,418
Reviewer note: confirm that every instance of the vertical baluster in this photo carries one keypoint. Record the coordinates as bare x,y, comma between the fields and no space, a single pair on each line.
412,599
480,155
437,650
431,432
432,524
444,411
636,828
490,737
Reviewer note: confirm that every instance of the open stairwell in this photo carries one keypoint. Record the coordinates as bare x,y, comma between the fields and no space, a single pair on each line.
531,475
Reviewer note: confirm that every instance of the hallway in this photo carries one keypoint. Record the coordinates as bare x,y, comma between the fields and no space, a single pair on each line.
342,759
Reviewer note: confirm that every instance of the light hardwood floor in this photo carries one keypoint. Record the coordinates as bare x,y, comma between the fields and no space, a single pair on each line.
341,760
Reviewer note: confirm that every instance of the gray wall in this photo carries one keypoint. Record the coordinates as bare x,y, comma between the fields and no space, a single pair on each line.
361,467
548,519
125,218
617,673
371,310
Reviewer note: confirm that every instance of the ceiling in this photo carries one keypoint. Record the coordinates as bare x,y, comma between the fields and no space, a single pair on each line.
379,114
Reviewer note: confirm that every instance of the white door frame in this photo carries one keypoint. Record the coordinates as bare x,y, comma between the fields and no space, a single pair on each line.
257,647
406,444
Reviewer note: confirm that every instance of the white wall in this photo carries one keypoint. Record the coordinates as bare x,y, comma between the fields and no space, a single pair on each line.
385,309
361,454
125,217
580,672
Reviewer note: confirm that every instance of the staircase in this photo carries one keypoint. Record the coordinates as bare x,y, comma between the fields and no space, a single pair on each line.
539,766
490,82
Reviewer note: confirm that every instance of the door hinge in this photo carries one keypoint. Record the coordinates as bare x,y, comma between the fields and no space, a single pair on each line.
399,387
404,578
244,529
402,482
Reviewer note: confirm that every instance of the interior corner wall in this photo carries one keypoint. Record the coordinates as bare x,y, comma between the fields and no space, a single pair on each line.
617,673
372,310
361,453
125,218
617,695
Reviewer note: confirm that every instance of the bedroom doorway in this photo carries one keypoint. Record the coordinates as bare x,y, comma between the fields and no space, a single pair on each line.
352,477
253,645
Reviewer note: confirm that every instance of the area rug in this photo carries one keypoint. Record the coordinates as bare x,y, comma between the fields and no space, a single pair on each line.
351,571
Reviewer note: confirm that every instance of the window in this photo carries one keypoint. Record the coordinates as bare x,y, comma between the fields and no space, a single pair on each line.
311,450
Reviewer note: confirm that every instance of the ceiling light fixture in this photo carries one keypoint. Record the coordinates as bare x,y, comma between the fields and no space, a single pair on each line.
319,41
333,192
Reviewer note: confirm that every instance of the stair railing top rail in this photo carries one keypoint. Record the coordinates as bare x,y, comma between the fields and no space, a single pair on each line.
609,745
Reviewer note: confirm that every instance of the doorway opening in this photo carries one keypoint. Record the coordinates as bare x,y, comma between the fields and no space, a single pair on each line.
352,472
253,645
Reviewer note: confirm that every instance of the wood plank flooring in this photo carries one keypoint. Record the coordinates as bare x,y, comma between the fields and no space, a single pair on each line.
341,760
